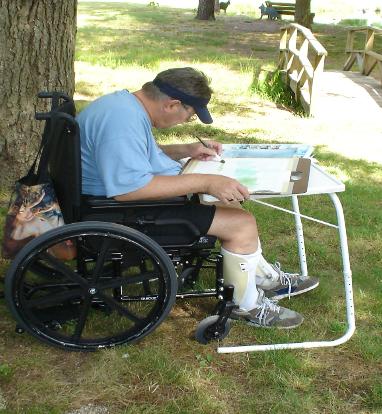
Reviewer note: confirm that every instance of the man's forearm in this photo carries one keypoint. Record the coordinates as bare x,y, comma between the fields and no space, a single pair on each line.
176,151
161,187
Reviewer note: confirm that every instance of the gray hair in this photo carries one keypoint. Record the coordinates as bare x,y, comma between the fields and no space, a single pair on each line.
188,80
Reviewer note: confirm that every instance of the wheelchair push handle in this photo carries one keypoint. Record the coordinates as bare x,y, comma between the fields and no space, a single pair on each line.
42,116
59,100
56,97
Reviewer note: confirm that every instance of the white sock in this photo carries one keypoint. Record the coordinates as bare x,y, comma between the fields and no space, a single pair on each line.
240,270
266,275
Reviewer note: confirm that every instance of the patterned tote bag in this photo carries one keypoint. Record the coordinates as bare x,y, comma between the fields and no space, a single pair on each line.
33,210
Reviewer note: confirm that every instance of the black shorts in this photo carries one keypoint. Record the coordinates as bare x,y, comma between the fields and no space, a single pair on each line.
199,215
176,225
165,224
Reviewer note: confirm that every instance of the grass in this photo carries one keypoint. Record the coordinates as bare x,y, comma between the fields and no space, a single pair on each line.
123,45
269,85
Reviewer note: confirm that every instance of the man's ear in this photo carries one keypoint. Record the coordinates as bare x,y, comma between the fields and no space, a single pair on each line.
171,105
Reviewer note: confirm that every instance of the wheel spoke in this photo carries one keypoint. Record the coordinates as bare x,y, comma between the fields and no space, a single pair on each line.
101,260
54,298
82,319
119,308
41,270
67,271
121,281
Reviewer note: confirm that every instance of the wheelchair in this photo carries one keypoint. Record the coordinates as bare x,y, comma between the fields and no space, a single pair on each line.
124,277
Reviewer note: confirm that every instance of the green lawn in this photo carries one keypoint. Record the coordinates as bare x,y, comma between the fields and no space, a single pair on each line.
121,45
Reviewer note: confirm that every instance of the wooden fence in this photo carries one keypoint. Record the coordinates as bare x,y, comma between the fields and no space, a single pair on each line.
301,62
366,58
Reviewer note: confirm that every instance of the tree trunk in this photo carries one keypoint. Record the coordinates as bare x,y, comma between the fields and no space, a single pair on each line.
303,15
217,7
37,40
206,10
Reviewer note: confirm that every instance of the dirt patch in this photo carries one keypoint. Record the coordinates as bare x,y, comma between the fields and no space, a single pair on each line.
90,409
247,24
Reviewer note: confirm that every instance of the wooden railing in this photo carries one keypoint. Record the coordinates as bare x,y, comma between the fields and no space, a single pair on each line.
366,58
301,61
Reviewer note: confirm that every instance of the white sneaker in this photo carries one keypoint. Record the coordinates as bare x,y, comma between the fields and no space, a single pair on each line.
267,314
288,284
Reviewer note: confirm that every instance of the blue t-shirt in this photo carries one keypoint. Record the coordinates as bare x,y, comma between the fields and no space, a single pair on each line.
118,151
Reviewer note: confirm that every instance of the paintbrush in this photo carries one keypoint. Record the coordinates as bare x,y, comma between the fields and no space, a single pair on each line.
218,158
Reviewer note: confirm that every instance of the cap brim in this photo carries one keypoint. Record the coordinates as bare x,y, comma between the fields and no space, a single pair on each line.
203,114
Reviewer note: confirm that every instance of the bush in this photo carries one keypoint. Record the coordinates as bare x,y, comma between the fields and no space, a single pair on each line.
269,85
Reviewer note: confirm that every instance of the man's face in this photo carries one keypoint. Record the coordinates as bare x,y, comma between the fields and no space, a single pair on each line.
190,113
175,113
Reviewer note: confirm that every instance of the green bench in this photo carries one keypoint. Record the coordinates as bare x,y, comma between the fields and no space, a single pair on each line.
282,8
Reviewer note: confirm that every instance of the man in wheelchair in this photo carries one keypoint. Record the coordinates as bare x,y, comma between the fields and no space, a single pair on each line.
121,160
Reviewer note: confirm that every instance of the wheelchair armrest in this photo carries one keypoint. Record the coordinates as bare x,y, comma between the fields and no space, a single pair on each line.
102,202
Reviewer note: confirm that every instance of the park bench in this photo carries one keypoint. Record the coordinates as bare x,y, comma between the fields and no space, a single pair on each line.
282,8
286,8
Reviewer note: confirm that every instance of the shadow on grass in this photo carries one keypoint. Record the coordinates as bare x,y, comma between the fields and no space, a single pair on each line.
188,132
110,38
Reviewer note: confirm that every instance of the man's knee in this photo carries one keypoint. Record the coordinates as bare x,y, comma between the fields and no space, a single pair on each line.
234,217
246,225
235,226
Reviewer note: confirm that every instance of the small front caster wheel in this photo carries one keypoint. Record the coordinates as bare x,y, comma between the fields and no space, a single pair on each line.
186,278
209,330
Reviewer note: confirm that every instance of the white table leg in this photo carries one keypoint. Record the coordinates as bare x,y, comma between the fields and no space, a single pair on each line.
300,236
350,312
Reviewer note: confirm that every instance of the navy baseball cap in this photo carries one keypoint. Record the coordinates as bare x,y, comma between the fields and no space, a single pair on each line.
198,104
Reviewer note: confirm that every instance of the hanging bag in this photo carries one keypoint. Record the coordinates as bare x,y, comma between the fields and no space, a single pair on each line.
34,209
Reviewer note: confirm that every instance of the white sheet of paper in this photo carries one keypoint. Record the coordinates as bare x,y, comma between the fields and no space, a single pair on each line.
257,174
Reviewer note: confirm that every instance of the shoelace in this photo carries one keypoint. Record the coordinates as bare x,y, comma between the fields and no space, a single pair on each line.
266,307
285,278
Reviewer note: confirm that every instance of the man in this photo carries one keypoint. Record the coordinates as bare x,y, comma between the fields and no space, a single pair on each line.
121,159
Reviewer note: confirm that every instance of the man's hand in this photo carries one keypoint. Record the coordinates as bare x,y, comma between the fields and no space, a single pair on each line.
198,151
226,189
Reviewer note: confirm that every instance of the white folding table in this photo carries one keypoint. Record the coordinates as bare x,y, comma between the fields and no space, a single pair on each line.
320,182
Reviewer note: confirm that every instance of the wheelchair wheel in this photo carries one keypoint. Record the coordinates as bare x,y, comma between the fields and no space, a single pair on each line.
118,288
208,330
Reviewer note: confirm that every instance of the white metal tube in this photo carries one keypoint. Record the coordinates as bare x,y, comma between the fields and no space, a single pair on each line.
345,262
292,212
300,236
292,345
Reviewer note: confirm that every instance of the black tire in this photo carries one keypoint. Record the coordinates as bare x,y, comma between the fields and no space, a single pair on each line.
186,278
207,330
119,287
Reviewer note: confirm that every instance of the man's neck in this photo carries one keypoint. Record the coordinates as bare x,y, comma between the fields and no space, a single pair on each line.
147,105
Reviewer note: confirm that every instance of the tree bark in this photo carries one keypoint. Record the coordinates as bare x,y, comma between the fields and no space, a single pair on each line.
217,6
206,10
303,15
37,40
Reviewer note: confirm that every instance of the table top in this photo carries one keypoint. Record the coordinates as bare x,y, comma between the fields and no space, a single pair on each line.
320,182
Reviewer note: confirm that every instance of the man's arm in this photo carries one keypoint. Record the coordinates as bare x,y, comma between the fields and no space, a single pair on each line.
193,150
176,151
160,187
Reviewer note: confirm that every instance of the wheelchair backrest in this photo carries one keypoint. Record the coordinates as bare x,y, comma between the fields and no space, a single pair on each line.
64,153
